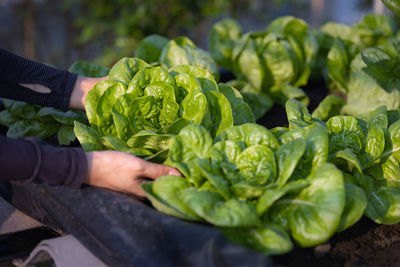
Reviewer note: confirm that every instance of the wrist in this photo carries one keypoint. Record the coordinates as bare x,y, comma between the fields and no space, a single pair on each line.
81,88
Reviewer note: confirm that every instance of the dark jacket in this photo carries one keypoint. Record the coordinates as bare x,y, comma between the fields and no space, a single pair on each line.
30,159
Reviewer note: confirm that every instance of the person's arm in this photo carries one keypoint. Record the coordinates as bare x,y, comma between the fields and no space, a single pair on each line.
82,86
32,160
36,83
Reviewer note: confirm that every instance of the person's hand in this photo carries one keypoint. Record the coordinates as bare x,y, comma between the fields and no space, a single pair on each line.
82,86
122,172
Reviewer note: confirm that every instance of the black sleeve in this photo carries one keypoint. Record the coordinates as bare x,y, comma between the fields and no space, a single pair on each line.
15,70
32,160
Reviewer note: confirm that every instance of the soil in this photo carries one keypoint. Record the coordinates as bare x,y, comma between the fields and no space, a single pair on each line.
276,116
364,244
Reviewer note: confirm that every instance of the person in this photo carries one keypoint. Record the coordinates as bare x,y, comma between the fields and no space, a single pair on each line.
29,159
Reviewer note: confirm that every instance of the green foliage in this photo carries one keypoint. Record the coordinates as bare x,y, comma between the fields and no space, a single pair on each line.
356,203
383,67
23,119
141,107
365,148
214,209
156,49
363,76
89,69
259,103
338,64
222,38
329,107
270,64
297,114
240,109
313,224
150,48
345,132
255,238
121,24
365,88
242,178
393,5
264,189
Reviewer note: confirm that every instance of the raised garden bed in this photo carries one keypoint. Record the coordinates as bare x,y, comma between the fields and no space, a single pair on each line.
122,230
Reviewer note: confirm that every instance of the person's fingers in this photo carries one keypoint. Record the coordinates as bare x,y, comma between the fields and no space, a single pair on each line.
136,188
122,172
153,170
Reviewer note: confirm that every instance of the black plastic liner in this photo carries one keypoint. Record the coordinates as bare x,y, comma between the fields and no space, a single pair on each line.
123,231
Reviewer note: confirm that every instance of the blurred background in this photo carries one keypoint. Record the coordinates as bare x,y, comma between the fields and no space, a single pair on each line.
60,32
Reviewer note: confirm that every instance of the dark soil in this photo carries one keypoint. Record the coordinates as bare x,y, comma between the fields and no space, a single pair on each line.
276,116
364,244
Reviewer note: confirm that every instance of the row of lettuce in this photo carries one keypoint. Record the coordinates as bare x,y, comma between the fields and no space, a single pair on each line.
263,188
359,61
267,188
141,108
272,66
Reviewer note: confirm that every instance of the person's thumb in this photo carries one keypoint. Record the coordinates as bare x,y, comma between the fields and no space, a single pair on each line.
153,171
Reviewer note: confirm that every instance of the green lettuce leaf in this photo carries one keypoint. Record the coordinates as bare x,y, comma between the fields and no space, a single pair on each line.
211,207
